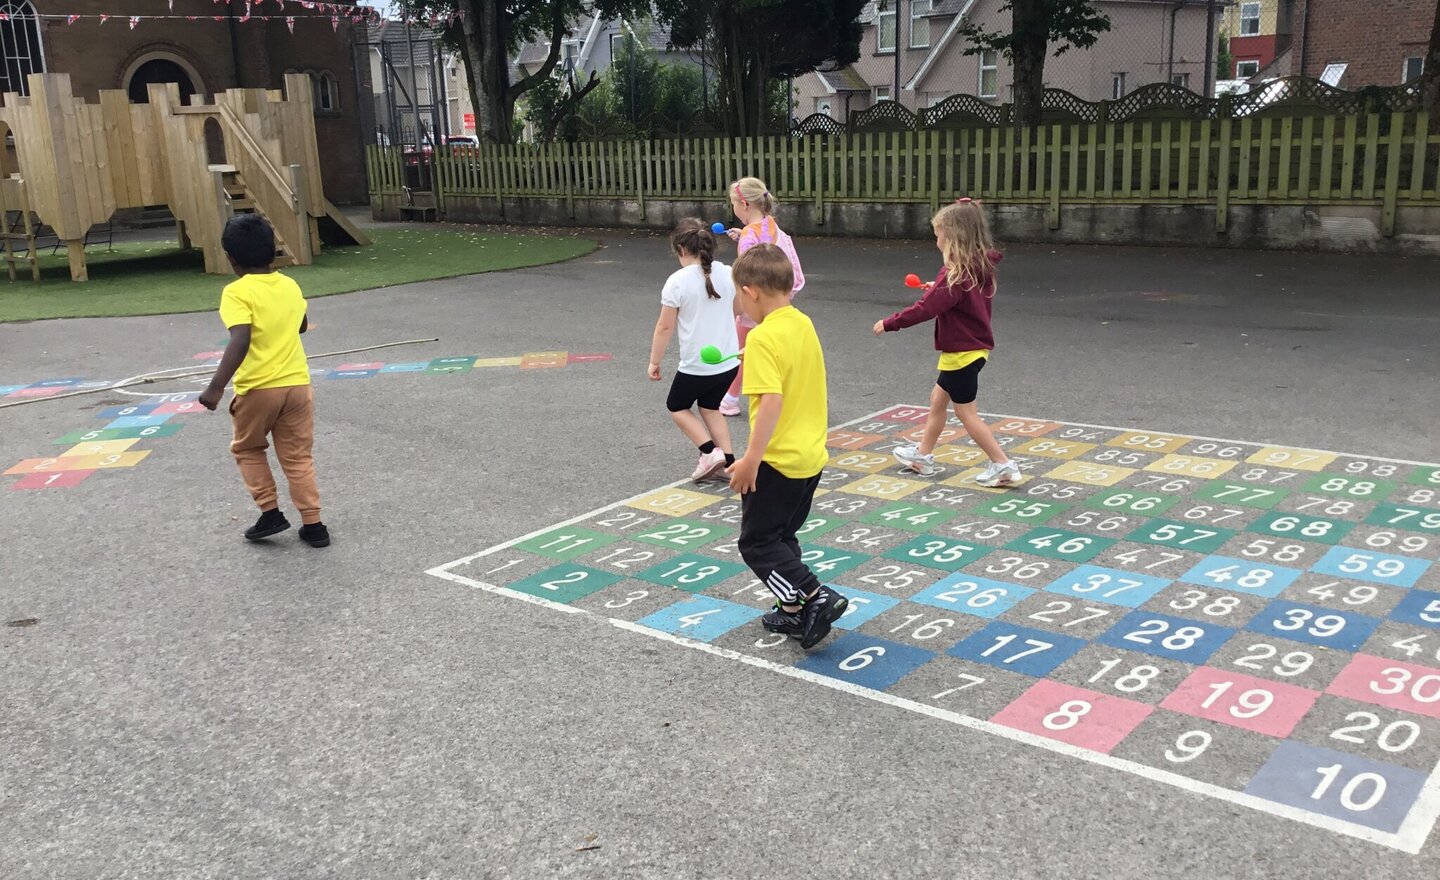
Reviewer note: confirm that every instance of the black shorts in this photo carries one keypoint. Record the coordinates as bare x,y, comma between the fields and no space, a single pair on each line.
962,385
708,391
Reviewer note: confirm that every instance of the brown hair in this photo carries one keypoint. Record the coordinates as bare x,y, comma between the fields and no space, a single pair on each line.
753,191
766,267
965,242
693,237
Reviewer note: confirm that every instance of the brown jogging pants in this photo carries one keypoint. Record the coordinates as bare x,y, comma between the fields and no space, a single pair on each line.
288,416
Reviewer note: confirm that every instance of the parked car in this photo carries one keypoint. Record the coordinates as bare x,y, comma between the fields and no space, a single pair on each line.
462,140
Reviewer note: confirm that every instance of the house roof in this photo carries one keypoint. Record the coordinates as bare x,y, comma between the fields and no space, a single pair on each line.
935,51
845,79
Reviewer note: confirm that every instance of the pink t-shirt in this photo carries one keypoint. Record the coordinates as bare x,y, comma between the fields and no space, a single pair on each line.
767,231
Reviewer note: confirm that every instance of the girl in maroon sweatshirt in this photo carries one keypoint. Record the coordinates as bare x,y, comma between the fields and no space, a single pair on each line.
959,301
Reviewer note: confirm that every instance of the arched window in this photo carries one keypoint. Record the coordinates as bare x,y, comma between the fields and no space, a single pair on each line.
327,92
19,46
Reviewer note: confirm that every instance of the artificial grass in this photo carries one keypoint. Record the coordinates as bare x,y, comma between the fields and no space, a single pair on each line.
157,278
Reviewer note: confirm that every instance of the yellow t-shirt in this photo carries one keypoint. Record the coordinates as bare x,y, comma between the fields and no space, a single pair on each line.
959,360
783,356
273,307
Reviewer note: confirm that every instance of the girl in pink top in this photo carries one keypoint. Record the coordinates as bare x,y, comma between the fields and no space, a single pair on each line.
959,301
752,203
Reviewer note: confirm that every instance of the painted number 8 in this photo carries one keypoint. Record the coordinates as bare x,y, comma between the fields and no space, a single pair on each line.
1183,638
1067,716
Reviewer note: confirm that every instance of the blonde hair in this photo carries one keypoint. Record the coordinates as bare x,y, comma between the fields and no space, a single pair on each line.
753,191
965,243
766,268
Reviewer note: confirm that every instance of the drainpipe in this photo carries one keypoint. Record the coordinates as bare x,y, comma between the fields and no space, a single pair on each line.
234,45
1170,56
1209,48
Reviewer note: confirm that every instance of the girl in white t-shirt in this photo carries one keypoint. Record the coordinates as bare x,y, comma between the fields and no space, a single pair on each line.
700,298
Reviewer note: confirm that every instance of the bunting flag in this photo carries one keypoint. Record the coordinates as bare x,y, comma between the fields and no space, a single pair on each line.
134,22
335,23
71,19
335,12
104,18
290,23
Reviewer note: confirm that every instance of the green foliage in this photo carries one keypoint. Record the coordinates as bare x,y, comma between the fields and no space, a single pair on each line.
1224,61
1064,24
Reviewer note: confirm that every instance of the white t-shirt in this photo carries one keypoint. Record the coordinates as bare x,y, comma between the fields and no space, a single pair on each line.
703,321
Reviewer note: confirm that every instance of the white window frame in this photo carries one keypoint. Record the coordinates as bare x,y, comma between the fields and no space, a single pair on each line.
21,23
919,23
1405,74
1117,85
1239,74
617,40
993,67
1180,79
1250,20
881,93
880,16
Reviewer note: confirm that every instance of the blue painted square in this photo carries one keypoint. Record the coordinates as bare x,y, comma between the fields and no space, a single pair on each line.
137,421
1419,607
1367,565
1017,648
411,367
133,409
1242,576
702,618
1108,585
9,389
1338,785
864,607
1161,635
350,374
58,383
967,594
1343,630
865,660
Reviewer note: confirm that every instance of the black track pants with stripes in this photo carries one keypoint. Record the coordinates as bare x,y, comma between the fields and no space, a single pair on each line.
770,517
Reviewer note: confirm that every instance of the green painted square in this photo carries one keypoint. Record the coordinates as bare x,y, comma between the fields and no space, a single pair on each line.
1302,527
1021,510
101,435
829,563
684,534
1425,476
1242,494
910,517
691,572
451,365
566,542
1060,544
565,583
945,554
1133,501
1350,485
1182,536
1406,516
816,526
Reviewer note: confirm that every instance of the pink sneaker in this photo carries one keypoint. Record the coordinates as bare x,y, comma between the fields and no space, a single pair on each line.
730,407
709,466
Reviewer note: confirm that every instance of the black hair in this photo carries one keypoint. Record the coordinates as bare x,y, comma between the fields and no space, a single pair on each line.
693,237
250,241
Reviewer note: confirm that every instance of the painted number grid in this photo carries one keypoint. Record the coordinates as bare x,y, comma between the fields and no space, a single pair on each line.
1256,623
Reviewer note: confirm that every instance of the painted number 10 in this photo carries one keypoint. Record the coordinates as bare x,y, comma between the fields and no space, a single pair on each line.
1362,792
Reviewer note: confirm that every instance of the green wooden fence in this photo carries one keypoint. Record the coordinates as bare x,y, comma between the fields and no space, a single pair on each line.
1384,160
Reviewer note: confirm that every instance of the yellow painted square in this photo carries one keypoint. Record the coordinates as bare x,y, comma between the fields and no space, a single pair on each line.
497,362
1142,441
1053,448
883,487
673,502
544,359
114,460
851,439
966,480
47,465
960,455
1284,457
1190,466
103,447
864,462
1091,473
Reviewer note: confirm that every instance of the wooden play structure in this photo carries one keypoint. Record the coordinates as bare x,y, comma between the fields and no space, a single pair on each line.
252,150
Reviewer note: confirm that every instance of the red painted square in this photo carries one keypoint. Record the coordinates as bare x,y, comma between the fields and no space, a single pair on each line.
57,480
1393,684
209,355
850,439
588,358
1023,427
904,414
39,392
948,434
360,367
176,409
1242,701
1074,715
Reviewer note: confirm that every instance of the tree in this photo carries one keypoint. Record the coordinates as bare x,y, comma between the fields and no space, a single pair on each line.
488,32
1224,61
754,42
1035,25
1432,68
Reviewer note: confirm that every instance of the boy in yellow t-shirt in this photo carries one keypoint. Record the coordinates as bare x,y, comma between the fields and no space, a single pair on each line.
777,477
265,313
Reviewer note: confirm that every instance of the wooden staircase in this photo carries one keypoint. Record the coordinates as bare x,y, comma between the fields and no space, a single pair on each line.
239,200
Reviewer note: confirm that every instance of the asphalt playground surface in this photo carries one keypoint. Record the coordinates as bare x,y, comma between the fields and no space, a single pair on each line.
193,706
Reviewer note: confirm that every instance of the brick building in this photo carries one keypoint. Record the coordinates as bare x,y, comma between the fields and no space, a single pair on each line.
1350,45
202,56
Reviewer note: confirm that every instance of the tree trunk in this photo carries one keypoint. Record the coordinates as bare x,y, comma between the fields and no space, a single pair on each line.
486,68
1031,29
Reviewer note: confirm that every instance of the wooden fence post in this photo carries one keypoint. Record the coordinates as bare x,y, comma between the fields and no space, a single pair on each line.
639,181
1222,180
1392,175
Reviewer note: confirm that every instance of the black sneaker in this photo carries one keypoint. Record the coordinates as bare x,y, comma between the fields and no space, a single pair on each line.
820,610
315,534
777,620
271,522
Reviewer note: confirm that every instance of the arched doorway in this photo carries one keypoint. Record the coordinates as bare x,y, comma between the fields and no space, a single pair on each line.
214,143
159,70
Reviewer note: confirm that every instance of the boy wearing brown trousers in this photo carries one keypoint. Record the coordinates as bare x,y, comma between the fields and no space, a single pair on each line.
265,313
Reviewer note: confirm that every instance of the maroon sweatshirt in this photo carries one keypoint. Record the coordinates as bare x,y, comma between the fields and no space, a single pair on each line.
961,313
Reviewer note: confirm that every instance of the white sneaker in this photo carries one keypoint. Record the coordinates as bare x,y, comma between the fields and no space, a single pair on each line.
999,473
910,456
730,406
709,466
